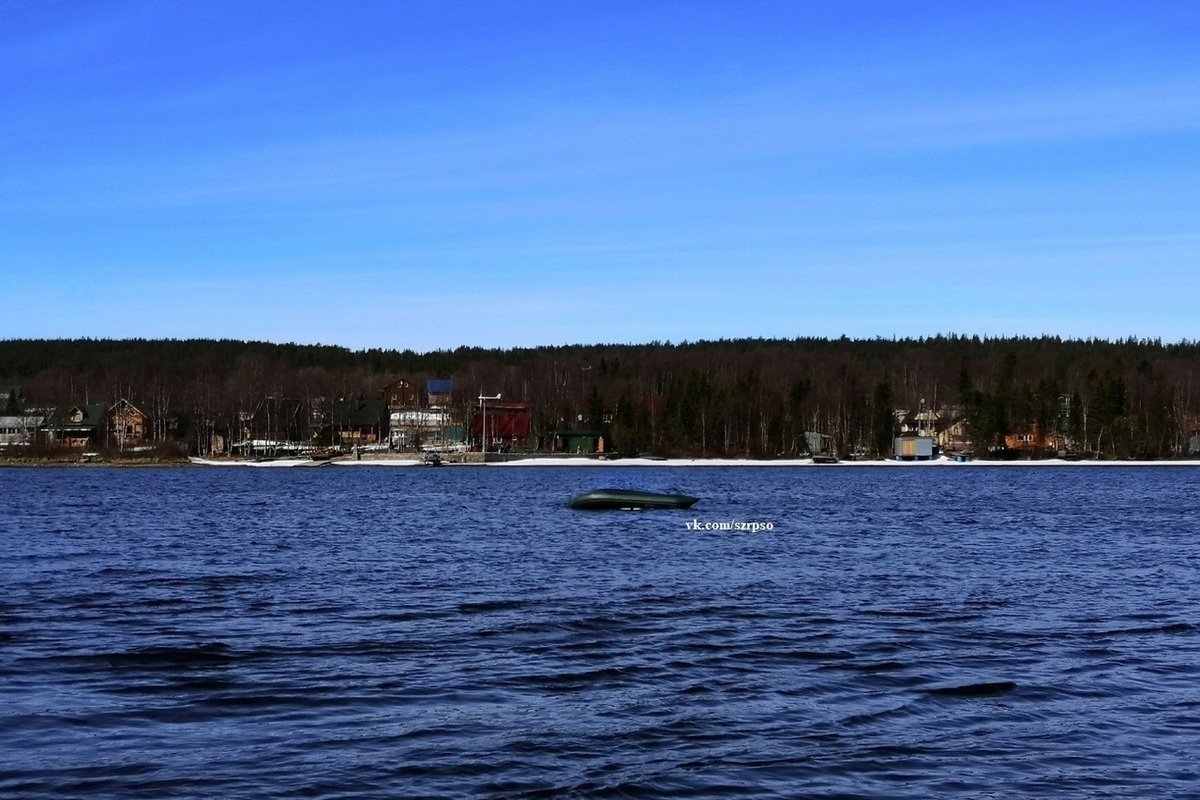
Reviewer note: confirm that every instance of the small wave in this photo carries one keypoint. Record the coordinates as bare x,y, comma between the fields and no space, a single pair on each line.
206,654
971,690
1146,630
491,606
176,686
796,655
903,613
878,709
696,688
587,679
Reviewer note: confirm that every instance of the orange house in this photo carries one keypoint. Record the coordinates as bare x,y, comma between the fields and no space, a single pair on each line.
1034,441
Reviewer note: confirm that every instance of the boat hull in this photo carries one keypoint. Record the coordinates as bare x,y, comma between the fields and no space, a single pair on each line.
629,500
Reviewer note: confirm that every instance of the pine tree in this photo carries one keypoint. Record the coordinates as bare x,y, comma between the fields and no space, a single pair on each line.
1076,422
883,418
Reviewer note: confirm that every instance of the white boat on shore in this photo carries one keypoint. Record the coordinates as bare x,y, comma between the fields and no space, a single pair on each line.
266,462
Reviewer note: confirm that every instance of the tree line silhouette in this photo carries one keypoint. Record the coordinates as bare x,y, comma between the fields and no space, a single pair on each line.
755,398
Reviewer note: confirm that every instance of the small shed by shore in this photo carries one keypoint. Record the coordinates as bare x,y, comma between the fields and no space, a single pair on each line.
909,447
580,442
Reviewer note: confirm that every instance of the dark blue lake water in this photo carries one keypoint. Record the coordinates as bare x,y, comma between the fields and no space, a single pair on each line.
458,632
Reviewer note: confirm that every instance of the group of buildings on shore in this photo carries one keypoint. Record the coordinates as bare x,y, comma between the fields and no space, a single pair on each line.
406,415
409,415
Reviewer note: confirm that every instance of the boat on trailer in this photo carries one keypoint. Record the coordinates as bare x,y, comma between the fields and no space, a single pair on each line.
629,500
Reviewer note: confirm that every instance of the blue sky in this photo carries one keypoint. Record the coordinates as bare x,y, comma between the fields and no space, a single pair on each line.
426,175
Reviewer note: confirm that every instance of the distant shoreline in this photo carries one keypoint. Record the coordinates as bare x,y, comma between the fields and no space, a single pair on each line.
74,462
807,462
39,462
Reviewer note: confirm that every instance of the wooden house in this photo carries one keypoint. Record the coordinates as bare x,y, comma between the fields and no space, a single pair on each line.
126,425
945,427
953,435
79,426
359,422
402,393
1035,442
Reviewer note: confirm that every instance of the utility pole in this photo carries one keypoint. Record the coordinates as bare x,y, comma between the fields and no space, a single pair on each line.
483,437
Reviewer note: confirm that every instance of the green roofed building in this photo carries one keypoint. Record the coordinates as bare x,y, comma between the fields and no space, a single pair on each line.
78,426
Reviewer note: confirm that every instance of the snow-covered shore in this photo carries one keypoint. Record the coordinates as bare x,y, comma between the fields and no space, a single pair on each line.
808,462
570,461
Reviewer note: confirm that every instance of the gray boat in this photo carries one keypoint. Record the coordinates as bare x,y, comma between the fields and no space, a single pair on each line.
629,500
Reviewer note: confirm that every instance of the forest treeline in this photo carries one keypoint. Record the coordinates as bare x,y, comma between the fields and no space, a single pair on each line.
746,397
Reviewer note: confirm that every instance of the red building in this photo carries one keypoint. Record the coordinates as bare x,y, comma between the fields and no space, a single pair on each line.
508,424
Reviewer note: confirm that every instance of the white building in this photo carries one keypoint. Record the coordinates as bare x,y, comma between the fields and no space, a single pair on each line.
18,430
425,424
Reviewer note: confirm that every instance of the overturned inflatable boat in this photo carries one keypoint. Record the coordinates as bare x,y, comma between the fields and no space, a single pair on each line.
629,500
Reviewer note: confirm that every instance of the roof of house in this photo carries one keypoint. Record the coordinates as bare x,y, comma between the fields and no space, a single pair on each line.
352,413
127,404
92,415
20,420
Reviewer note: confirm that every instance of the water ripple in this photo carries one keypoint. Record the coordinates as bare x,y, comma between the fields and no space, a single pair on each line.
459,633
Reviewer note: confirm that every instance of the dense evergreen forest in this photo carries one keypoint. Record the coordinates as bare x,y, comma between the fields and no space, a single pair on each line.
750,397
